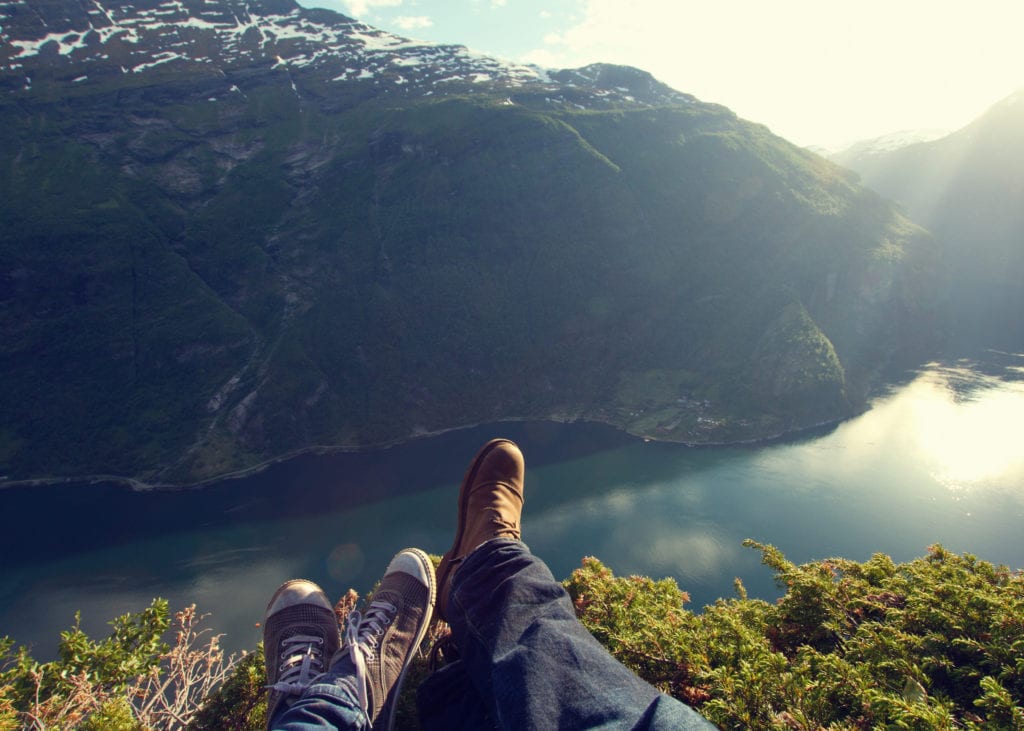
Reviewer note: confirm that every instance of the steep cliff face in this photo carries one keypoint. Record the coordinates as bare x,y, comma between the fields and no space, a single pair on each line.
967,188
232,231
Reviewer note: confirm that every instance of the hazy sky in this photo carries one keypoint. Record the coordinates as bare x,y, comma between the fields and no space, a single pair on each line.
822,72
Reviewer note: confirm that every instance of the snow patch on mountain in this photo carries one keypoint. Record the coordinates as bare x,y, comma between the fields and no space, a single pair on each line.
142,36
890,142
66,43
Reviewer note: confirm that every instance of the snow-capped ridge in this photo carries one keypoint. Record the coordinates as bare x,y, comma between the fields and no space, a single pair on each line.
106,37
884,144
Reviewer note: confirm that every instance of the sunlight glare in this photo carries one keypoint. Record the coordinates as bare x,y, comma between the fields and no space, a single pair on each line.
969,442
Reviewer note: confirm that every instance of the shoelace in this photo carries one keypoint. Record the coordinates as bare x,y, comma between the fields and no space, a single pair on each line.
303,661
362,636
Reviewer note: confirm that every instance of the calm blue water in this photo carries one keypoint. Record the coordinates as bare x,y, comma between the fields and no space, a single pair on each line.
940,459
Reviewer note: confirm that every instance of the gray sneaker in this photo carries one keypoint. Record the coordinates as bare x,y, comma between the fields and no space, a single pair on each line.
300,634
381,642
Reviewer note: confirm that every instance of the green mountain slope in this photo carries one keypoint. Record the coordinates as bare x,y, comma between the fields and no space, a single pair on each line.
967,188
191,287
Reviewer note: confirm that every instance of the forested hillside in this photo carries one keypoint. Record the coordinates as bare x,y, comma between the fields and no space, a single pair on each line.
234,232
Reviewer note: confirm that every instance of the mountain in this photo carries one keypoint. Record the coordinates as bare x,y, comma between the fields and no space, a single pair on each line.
968,188
90,43
233,230
861,153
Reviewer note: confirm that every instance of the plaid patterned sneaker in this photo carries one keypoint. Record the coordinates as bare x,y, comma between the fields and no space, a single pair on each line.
382,640
300,634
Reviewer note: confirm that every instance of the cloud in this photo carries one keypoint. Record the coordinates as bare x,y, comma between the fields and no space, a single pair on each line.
808,68
546,14
362,8
498,3
412,22
545,59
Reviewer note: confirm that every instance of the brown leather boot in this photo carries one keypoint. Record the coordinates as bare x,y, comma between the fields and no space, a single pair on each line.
490,505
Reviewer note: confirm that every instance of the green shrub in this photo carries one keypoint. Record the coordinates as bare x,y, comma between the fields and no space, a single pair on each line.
240,703
937,642
130,681
934,643
115,714
85,687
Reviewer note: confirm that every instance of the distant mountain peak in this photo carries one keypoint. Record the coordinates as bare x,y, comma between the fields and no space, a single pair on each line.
884,144
1015,98
94,39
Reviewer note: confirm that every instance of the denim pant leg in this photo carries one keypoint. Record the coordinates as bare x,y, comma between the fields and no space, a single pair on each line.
448,701
531,661
330,703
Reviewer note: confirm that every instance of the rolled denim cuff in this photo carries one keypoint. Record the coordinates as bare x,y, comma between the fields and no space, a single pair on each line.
483,553
330,702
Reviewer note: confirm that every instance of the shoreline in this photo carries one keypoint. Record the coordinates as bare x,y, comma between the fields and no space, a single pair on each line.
139,485
878,390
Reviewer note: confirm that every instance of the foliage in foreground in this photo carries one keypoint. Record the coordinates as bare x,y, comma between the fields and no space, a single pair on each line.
130,681
934,643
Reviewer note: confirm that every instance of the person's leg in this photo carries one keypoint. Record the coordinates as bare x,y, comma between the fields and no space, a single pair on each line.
531,662
365,677
524,647
448,700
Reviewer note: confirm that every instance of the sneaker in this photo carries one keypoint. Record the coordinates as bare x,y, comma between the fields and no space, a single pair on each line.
300,634
382,640
490,506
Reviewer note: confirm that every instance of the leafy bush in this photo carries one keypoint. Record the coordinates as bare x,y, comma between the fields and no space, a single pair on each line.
937,642
130,681
934,643
240,703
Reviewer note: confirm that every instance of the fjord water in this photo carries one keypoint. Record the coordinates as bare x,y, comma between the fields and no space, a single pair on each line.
937,459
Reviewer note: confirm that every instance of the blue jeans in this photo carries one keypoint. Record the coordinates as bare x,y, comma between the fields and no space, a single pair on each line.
330,703
526,663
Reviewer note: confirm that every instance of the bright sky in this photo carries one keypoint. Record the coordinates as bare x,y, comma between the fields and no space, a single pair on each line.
819,72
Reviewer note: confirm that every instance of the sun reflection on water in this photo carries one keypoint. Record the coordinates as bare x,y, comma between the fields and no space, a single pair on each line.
969,432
